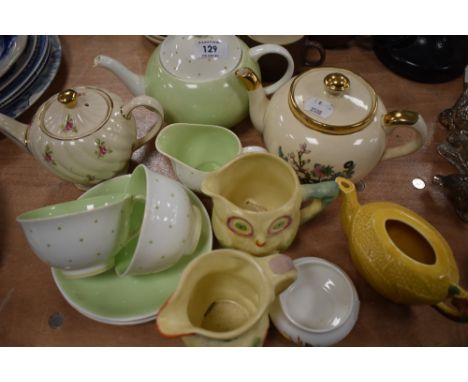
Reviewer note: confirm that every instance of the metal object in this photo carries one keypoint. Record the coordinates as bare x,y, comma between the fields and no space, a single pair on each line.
456,117
455,150
456,186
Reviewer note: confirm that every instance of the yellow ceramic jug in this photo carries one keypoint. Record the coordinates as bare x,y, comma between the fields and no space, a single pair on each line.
258,203
400,254
223,297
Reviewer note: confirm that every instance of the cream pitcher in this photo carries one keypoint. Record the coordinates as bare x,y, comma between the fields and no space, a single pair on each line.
258,203
223,298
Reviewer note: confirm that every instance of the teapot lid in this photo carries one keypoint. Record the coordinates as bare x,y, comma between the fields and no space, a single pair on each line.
332,100
75,113
200,58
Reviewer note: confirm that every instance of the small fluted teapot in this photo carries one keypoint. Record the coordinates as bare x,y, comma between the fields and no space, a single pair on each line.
328,122
83,135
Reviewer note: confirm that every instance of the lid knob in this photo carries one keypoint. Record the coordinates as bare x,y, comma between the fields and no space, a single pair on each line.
68,97
336,83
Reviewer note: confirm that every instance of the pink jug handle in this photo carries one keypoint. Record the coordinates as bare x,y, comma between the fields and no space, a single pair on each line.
458,310
409,119
152,105
279,269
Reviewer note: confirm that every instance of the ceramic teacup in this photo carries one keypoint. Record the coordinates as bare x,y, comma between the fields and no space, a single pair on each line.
79,237
196,150
320,308
163,224
258,203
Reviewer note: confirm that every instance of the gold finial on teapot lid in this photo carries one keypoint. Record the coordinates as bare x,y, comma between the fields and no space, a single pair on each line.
336,83
68,97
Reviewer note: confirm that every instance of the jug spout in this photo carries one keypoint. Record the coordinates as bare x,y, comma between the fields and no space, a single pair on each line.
134,82
258,101
350,204
14,130
211,185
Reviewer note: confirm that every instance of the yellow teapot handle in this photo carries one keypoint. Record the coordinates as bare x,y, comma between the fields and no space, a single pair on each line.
459,299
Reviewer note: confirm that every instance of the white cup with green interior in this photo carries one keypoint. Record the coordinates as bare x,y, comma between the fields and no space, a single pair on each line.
79,237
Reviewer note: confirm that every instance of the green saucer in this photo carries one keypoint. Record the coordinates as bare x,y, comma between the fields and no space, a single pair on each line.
130,299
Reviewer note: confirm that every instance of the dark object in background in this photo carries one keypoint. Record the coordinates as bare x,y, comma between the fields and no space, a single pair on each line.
456,150
456,117
304,51
333,41
457,188
429,59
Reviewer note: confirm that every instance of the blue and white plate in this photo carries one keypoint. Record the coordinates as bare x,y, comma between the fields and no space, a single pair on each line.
29,74
11,48
20,64
31,94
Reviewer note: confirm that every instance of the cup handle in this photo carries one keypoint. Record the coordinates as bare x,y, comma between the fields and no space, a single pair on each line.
196,231
254,149
409,119
279,269
309,46
315,197
454,312
260,50
150,104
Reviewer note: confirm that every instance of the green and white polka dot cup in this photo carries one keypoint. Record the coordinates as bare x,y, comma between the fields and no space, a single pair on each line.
164,226
79,237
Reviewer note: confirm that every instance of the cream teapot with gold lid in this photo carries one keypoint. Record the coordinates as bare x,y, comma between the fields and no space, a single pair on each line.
83,135
328,122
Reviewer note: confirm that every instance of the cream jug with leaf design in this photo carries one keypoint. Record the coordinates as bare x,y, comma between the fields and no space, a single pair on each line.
328,122
83,135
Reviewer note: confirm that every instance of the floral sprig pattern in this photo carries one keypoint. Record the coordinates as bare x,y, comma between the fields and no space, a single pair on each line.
319,172
49,155
69,124
102,148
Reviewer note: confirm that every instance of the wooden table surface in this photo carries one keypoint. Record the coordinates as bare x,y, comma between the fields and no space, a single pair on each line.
29,297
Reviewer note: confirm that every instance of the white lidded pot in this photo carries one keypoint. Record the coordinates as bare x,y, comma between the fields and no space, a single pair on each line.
328,122
84,135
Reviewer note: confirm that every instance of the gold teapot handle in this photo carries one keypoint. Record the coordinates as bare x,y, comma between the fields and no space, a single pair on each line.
455,311
409,119
152,105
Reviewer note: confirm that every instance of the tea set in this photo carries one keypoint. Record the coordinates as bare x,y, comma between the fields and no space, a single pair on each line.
150,237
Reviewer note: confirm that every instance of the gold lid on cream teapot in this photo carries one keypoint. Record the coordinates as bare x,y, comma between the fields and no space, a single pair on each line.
332,101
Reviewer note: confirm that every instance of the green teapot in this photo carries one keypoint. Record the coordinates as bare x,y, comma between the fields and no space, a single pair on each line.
193,77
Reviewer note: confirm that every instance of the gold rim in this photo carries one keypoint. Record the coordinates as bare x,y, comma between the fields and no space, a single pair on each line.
325,127
110,106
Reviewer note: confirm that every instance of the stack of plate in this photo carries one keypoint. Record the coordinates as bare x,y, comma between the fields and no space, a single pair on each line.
28,64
